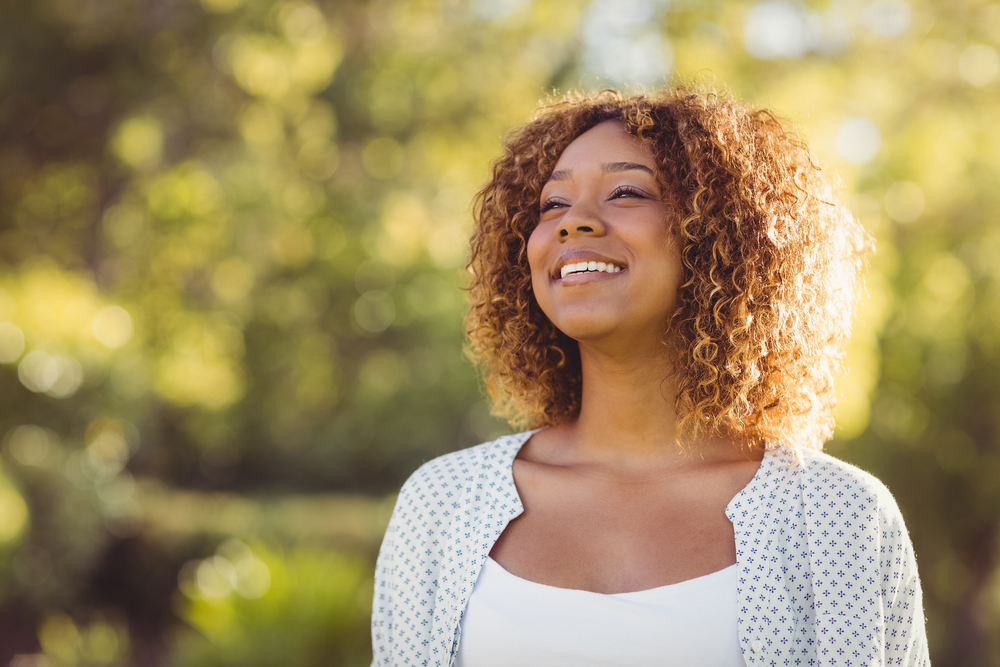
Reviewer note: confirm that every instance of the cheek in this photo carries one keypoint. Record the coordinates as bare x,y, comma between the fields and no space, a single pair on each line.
536,255
672,269
537,266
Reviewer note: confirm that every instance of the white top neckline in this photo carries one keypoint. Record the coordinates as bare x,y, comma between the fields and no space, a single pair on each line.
513,621
676,588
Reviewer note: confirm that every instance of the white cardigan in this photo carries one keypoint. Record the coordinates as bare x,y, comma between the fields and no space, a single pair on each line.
826,570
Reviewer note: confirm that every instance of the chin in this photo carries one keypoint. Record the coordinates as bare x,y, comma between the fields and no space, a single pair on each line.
593,329
581,323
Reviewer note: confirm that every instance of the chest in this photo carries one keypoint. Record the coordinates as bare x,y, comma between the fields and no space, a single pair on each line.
620,535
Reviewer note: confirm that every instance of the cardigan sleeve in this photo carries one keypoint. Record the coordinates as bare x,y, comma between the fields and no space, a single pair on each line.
385,590
866,592
407,617
406,573
905,637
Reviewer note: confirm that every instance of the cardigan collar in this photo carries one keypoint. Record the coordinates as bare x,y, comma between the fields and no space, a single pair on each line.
499,469
493,502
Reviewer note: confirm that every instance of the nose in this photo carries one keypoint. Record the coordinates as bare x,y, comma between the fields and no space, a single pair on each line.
578,221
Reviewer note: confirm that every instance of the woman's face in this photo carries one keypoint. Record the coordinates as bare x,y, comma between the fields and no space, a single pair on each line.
602,207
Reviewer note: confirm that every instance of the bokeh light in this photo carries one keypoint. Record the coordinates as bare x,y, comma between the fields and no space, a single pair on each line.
13,513
979,64
139,142
57,375
11,342
374,311
27,444
858,140
112,326
904,201
623,42
776,29
239,230
887,18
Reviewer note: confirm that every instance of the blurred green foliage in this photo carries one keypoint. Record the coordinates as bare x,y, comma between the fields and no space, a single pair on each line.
96,642
232,235
306,607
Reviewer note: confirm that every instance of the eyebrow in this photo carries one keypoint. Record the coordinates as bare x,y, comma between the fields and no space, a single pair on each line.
607,168
615,167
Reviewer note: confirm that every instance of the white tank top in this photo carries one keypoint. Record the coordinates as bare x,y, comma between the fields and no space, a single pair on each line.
513,621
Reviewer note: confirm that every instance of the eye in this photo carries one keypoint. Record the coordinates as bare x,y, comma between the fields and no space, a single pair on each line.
550,204
624,191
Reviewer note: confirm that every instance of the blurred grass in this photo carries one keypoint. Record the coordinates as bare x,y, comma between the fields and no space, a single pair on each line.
343,520
315,612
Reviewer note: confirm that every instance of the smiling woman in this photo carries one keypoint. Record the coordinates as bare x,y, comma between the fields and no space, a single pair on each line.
661,288
603,204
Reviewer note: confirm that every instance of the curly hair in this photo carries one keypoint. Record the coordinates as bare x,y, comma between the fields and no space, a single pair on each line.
770,259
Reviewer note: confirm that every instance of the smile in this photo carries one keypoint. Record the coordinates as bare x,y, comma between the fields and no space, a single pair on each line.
588,267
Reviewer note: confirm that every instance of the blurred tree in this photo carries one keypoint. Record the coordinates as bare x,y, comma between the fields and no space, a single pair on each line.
231,244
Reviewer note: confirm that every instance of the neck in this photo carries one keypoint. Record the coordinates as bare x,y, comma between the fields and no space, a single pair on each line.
628,417
627,409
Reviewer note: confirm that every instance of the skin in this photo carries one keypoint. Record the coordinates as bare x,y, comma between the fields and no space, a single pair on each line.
612,503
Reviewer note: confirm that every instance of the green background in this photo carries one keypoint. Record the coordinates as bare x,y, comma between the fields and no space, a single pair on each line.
232,240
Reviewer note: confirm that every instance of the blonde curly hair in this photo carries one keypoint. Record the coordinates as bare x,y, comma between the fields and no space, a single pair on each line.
771,263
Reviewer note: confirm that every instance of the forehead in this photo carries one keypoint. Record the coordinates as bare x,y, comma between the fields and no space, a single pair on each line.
605,142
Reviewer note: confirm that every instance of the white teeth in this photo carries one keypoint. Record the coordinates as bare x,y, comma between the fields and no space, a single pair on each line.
588,266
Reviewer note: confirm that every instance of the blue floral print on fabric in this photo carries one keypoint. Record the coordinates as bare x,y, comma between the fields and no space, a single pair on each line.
827,574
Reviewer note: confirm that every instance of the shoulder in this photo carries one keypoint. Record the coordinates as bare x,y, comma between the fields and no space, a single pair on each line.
440,481
836,499
816,489
857,534
421,566
812,487
830,480
436,495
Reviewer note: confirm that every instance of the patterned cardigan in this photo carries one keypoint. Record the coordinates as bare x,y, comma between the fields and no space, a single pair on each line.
826,571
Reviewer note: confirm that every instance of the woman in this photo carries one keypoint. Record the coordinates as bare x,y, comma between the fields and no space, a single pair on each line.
662,287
